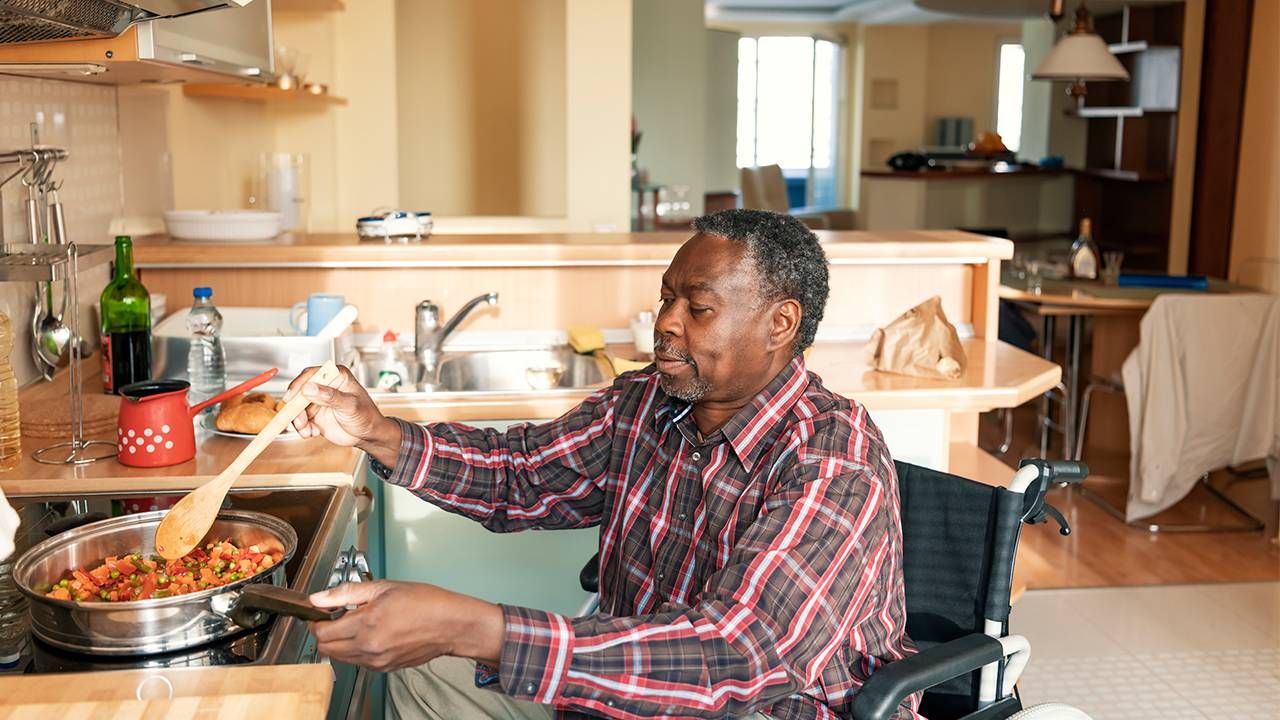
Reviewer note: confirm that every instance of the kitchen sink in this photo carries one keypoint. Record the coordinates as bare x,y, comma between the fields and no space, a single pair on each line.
523,370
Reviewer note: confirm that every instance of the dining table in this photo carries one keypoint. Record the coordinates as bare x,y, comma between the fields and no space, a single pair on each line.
1115,311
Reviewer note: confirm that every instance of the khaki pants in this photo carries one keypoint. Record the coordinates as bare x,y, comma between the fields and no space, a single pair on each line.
445,689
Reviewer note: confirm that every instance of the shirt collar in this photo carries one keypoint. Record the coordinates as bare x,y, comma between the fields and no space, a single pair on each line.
748,430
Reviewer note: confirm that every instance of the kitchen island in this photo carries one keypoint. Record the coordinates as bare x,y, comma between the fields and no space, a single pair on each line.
548,283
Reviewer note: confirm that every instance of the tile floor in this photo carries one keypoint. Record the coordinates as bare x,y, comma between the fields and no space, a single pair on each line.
1173,651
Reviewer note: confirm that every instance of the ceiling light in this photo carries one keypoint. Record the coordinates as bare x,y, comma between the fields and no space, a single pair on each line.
1079,57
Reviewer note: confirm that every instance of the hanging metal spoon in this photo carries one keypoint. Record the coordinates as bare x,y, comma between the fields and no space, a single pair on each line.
52,336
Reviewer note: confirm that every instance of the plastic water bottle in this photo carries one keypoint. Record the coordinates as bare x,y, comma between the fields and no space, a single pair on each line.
206,362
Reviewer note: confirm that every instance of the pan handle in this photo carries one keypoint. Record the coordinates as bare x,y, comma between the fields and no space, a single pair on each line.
249,384
259,600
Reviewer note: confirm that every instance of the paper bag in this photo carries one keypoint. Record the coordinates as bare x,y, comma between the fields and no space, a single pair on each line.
920,342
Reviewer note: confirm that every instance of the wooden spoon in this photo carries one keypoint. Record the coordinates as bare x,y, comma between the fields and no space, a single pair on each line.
188,521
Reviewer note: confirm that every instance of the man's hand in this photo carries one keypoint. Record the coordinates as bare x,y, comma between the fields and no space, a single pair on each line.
346,416
398,625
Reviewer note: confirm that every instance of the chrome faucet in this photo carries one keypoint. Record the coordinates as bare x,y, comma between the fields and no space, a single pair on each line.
429,337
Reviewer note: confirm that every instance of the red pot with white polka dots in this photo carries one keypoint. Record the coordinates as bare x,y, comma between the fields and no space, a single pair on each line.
156,426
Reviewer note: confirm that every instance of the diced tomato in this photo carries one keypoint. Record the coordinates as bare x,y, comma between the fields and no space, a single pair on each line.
100,574
86,580
147,587
125,567
60,593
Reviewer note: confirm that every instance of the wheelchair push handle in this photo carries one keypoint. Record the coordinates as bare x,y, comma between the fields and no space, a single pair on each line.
1063,471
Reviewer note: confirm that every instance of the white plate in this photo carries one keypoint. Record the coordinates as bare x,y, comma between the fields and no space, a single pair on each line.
209,422
222,226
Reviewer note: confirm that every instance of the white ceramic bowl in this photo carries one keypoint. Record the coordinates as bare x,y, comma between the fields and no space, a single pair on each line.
222,226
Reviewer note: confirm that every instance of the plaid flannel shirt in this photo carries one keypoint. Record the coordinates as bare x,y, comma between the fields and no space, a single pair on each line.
755,570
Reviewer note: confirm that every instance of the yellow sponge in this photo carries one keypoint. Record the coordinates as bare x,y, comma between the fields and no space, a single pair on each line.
621,365
586,340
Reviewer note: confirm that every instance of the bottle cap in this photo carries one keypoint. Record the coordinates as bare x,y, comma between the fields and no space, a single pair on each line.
390,336
202,292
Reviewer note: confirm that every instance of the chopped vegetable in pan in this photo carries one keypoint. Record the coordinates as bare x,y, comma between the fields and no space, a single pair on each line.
133,577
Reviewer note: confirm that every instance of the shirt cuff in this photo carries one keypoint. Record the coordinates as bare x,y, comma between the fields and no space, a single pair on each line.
537,647
412,461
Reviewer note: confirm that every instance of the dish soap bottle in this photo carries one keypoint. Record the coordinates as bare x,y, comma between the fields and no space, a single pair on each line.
1084,253
126,324
392,371
10,423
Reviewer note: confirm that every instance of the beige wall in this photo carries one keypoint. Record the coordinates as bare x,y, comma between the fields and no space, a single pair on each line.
481,92
722,111
1255,237
669,92
914,74
568,169
961,72
894,85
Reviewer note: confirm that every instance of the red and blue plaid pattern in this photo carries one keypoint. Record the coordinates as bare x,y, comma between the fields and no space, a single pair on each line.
755,570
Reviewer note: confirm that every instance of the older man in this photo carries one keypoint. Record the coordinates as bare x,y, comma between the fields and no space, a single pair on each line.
750,544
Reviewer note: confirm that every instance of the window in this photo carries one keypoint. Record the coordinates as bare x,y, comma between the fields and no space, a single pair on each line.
788,111
1009,95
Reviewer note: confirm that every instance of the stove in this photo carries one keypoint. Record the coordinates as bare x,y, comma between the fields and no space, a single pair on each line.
323,517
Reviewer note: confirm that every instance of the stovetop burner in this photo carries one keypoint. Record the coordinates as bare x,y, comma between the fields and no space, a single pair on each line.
323,517
240,649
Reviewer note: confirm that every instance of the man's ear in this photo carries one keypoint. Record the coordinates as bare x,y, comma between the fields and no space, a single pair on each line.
784,324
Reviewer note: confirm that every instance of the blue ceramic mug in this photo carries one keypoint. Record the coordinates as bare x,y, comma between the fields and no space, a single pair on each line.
316,312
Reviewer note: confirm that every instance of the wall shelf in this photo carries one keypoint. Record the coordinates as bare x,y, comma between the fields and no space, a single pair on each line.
317,6
260,93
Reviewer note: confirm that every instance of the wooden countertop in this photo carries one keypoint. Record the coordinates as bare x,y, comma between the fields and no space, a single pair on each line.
998,375
285,462
542,250
280,692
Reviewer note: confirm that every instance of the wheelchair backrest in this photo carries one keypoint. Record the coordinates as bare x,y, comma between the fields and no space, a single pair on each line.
959,539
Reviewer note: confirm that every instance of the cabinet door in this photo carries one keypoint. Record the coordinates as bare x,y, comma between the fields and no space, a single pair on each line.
423,543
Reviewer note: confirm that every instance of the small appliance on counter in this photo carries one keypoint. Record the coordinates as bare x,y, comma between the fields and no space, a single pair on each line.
401,225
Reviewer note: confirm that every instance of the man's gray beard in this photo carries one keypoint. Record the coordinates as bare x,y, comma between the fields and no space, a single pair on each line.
692,392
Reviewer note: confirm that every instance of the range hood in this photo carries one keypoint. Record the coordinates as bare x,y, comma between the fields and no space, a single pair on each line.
24,21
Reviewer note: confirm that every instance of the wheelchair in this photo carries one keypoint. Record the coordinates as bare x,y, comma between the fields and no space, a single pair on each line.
960,538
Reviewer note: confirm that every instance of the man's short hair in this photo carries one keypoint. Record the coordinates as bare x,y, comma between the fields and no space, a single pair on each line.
788,259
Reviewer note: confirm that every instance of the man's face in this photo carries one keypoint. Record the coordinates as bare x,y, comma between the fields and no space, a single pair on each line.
712,333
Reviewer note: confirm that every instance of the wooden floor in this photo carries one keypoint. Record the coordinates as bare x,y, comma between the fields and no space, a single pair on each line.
1102,551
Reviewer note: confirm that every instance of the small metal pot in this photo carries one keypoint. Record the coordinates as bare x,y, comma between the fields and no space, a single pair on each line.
144,627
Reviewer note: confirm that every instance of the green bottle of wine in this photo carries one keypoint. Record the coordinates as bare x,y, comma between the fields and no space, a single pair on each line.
125,308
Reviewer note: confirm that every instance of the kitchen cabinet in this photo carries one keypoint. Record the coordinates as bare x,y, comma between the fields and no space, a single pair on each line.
422,543
220,46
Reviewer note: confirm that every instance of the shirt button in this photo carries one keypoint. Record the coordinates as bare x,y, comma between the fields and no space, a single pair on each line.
697,455
530,688
683,516
609,703
661,575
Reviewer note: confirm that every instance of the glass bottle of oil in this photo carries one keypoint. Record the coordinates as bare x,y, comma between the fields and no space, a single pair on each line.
10,427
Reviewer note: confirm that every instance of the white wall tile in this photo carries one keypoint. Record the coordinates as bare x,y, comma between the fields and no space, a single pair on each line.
82,119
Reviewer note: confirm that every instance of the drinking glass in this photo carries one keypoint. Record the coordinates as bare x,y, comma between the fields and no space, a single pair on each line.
1033,277
1111,261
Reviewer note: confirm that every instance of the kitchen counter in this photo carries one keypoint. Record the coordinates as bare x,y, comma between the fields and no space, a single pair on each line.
964,172
533,250
285,462
997,375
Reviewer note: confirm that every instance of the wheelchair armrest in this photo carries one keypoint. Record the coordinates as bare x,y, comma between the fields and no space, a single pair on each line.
589,576
880,697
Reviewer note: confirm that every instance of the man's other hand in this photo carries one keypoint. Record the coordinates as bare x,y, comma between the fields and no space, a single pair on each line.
396,625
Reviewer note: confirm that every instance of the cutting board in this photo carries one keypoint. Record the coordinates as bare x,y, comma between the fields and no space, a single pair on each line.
279,692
